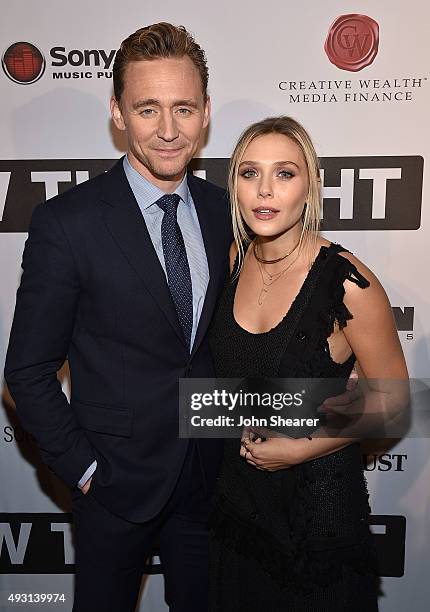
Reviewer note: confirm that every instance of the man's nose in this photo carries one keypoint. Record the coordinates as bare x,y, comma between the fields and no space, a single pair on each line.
167,128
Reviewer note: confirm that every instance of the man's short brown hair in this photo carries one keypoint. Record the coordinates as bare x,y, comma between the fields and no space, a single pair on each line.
154,42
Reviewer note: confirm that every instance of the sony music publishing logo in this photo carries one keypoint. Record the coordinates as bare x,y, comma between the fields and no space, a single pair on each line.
23,63
352,42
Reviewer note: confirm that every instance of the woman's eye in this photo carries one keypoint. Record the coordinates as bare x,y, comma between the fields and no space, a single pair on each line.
248,173
285,174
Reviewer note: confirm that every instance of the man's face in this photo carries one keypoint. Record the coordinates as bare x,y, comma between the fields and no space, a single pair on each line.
163,111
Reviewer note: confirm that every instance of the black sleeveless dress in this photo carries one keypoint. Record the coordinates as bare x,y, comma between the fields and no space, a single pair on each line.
294,540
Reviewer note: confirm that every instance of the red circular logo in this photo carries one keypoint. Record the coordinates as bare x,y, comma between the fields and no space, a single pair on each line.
23,63
352,42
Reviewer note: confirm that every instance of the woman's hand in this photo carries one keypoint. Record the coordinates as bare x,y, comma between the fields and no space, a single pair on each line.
272,454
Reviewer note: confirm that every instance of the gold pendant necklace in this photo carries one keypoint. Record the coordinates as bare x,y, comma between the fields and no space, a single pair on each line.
272,279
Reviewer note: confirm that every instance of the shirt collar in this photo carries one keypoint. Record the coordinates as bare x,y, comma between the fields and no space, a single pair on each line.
147,193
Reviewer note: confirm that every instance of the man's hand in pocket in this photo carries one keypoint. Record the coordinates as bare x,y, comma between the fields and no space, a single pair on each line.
86,486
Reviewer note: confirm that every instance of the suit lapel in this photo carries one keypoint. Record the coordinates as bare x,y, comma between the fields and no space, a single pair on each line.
125,222
206,213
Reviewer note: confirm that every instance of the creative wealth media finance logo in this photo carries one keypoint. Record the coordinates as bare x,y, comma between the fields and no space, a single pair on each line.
23,63
352,42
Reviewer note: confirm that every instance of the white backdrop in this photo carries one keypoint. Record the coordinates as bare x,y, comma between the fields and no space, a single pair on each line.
252,48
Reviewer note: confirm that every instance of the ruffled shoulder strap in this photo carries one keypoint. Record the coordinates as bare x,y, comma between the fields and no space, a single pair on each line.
349,270
341,269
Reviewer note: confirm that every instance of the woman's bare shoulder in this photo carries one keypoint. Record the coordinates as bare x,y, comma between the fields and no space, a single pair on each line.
360,297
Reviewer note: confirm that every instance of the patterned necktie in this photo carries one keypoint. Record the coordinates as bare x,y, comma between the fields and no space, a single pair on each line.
177,268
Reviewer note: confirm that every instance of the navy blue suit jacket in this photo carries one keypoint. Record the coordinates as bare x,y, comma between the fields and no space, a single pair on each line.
93,291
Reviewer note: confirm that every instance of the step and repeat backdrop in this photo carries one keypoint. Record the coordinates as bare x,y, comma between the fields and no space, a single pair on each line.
356,74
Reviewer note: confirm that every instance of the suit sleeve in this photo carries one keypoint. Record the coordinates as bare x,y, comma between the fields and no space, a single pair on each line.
46,306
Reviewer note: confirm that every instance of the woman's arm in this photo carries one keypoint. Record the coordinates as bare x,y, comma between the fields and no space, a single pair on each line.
373,337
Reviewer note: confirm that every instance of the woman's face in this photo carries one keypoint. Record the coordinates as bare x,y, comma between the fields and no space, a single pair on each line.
272,185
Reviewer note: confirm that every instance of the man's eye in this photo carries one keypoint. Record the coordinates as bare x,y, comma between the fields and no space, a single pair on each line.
248,173
184,111
147,111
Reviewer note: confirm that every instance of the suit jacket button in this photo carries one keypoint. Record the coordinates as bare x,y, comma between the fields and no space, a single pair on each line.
253,515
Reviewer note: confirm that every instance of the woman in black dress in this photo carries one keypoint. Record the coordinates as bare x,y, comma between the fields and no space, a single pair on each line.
290,527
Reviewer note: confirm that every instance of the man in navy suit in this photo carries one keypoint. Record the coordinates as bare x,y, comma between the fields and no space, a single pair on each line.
120,276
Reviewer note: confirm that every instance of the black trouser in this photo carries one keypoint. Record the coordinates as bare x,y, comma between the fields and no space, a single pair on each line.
110,551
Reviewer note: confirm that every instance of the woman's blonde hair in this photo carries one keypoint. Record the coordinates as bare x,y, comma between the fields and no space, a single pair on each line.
311,214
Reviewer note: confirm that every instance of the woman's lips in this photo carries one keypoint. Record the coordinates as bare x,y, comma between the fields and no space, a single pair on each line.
265,213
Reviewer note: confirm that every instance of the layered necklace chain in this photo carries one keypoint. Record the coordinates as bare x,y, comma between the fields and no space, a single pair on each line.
268,279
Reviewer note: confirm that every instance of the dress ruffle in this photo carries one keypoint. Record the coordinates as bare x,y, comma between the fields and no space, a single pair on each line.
338,313
299,562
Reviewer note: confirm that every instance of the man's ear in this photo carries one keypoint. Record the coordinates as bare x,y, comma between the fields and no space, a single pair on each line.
116,114
207,112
